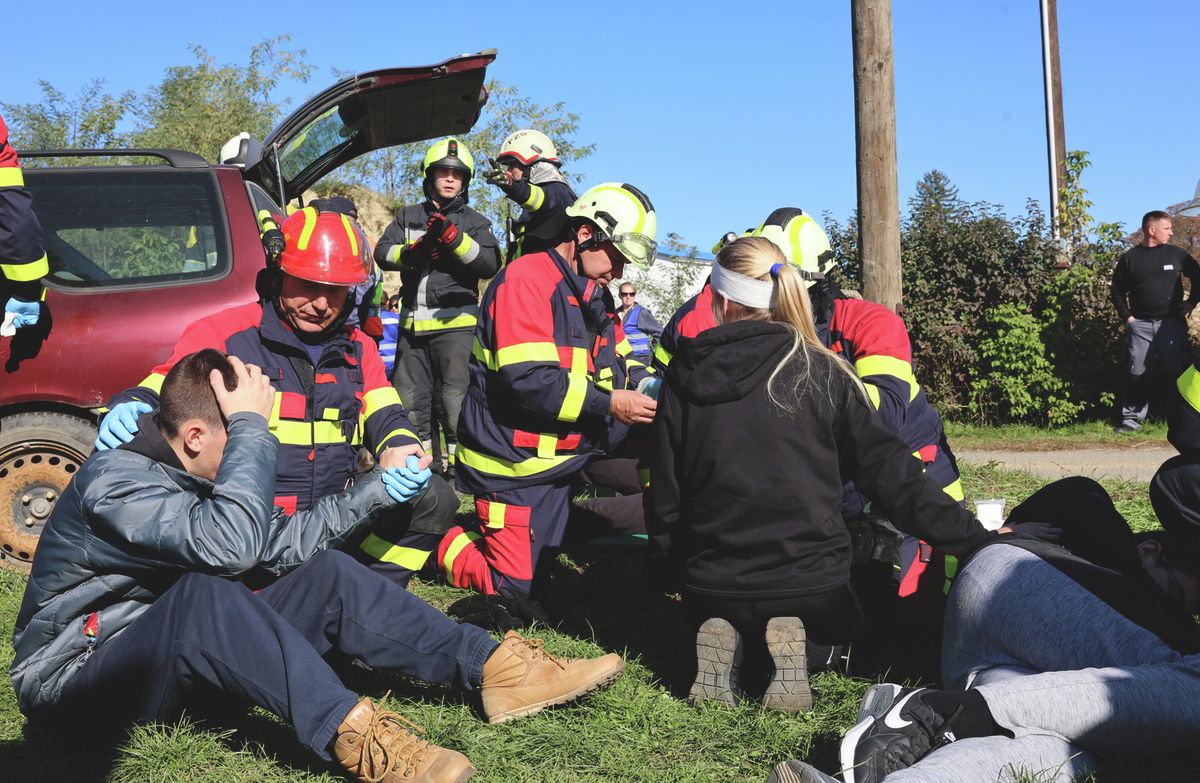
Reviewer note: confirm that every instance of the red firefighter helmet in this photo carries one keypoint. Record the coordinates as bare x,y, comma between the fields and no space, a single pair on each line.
324,247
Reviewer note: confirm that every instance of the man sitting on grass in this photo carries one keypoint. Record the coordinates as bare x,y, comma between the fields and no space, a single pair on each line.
134,608
1055,657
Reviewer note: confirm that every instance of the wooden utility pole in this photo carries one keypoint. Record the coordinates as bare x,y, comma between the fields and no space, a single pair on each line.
875,136
1056,143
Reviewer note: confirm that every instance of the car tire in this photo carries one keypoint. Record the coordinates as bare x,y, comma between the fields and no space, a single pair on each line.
39,454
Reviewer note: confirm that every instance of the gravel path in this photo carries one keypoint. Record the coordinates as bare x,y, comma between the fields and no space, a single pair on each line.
1135,464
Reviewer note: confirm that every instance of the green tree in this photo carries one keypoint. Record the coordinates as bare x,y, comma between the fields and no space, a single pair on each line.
671,283
90,119
199,107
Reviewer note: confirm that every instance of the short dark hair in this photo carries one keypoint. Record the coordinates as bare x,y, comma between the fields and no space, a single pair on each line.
1153,215
187,394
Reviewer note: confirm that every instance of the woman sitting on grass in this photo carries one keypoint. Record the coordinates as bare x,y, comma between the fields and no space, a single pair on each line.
758,428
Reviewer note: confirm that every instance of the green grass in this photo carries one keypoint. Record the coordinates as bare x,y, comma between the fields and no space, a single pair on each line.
1024,437
638,730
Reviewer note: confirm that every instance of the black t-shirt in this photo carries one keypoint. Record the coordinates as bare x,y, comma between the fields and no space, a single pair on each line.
1147,284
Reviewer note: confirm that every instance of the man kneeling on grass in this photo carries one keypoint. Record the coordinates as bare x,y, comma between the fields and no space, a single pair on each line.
134,609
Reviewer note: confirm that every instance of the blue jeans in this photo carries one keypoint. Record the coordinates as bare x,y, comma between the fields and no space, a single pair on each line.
207,636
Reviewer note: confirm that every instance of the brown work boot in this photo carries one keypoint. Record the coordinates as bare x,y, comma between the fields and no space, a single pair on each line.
521,678
378,746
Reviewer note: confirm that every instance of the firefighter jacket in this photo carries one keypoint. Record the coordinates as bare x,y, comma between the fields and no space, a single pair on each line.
23,261
1183,410
133,522
440,290
322,414
548,351
875,342
543,215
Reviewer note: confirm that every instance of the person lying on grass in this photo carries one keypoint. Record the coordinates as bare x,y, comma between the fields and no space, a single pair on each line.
759,427
134,608
1054,658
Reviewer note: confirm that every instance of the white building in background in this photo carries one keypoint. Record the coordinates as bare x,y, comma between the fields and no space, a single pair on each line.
673,275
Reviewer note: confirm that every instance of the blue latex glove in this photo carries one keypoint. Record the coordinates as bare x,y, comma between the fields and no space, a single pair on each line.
404,484
26,312
650,386
120,424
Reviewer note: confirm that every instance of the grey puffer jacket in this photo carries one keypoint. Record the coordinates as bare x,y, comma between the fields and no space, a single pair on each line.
129,525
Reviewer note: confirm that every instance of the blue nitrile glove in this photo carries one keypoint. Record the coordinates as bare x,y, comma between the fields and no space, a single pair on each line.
120,424
26,312
650,386
404,484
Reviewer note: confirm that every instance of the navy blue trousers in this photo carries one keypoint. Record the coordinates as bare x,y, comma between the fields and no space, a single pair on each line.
208,636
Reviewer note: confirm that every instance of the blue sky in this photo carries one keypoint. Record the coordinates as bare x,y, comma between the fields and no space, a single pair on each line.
723,111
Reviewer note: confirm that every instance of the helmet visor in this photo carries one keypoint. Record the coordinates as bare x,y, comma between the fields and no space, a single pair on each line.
638,249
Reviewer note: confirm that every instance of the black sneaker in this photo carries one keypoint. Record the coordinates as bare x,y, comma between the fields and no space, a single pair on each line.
796,771
788,690
718,657
893,738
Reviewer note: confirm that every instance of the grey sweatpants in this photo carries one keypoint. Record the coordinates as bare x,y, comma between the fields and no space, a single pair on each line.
1069,676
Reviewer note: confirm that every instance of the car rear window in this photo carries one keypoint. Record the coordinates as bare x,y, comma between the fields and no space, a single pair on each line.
129,226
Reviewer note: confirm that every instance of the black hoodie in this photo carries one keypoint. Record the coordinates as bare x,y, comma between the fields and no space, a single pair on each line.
745,499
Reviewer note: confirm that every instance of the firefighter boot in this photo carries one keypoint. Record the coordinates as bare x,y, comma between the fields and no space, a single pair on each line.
521,678
379,746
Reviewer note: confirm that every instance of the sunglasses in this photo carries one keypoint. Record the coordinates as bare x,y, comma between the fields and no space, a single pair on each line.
629,293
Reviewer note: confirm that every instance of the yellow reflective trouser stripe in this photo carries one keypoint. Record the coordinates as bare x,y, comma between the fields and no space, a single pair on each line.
955,490
526,352
392,434
872,394
24,273
888,365
11,177
154,382
453,318
1189,387
387,552
951,572
380,398
662,355
577,386
460,542
537,197
308,433
502,467
465,247
496,515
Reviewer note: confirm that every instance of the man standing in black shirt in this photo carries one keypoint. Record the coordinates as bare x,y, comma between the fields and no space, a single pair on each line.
1147,290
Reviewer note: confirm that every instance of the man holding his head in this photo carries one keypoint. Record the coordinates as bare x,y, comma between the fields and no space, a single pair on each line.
136,607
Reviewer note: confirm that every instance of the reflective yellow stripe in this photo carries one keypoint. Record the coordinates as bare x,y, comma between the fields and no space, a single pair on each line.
306,433
465,246
547,444
350,232
11,177
460,542
577,385
310,223
955,490
502,467
154,382
951,572
387,552
604,379
1189,387
383,441
438,324
27,272
496,515
192,240
378,399
393,253
888,365
624,348
483,355
527,352
644,478
872,394
266,220
537,197
662,355
331,414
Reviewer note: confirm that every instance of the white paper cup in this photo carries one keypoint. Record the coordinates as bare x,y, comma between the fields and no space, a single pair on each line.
990,512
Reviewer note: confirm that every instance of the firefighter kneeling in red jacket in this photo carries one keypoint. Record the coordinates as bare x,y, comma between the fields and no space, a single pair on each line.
552,386
333,395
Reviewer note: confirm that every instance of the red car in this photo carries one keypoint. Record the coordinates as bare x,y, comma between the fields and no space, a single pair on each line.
137,252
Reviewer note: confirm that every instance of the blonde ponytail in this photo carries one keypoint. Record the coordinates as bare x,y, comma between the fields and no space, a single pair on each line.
760,259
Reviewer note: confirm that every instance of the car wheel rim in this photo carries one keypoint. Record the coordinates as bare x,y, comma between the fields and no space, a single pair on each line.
33,474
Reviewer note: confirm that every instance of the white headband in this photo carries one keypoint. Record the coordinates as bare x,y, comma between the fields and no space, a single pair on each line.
741,289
